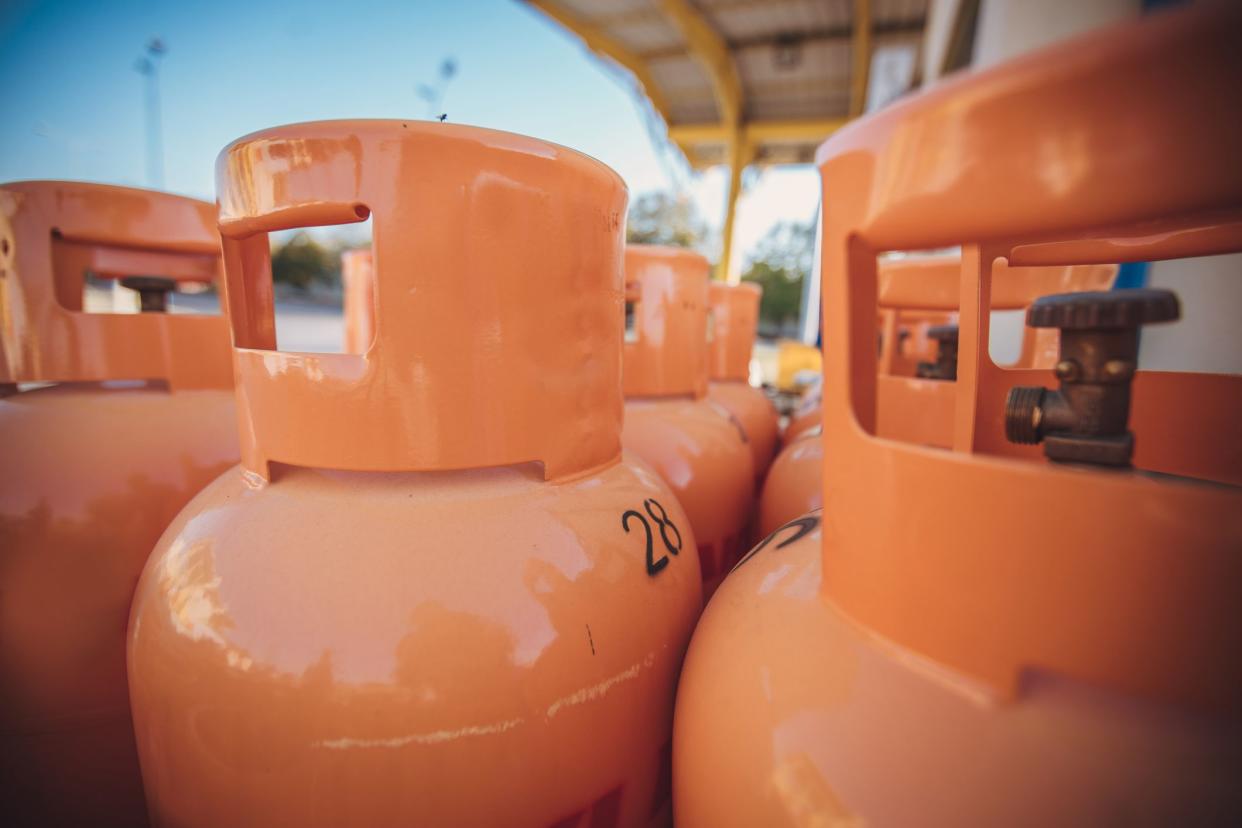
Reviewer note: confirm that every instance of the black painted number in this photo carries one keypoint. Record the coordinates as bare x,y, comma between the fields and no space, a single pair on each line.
662,520
804,525
666,525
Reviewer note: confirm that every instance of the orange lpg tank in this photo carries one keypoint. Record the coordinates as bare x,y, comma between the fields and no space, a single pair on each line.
358,283
807,414
733,320
110,423
795,483
1037,625
697,446
434,592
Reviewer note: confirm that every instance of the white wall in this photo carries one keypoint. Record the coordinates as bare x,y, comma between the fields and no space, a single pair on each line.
1209,335
1008,28
941,15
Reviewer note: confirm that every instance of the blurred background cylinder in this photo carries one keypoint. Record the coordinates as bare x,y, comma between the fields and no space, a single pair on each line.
795,484
699,449
733,320
109,424
358,283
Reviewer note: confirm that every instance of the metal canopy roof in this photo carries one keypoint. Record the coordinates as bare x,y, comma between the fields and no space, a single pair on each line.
742,82
766,79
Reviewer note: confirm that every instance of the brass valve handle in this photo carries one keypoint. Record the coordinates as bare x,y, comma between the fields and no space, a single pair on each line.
945,366
152,291
1087,419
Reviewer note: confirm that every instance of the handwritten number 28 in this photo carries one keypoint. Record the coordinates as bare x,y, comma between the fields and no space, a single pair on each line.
666,525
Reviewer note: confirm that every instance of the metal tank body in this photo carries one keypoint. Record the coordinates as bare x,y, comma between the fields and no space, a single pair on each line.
842,727
120,420
806,415
697,446
1004,633
435,592
795,485
733,322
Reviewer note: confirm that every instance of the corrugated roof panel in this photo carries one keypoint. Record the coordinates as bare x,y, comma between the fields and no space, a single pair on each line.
636,24
794,59
600,10
815,86
898,11
644,35
743,21
784,153
687,89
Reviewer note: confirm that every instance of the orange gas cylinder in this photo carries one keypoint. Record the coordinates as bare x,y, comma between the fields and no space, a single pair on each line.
733,321
434,592
697,446
359,300
1005,633
795,484
907,341
132,414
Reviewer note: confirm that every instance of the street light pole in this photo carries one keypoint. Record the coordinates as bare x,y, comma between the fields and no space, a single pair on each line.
149,67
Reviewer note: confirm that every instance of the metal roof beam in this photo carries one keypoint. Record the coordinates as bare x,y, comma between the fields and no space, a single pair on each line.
598,41
706,44
712,52
834,34
757,132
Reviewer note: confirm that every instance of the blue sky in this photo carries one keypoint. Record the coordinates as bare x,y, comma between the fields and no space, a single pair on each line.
74,103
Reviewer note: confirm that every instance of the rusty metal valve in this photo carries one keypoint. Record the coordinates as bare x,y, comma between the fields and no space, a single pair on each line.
152,291
1086,420
945,366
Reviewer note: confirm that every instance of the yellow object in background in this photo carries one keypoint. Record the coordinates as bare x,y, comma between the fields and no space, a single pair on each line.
795,362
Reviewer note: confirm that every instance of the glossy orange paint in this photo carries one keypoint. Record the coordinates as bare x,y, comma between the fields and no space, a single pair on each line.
358,281
841,727
755,414
806,416
419,606
983,639
697,446
734,316
904,341
120,420
795,485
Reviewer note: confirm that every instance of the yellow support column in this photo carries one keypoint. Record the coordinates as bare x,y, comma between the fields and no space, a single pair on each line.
739,156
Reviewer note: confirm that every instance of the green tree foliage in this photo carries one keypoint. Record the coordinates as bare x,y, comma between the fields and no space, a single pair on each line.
664,218
780,266
301,261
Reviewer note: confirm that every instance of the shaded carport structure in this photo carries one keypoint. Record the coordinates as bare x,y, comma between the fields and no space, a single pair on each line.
742,82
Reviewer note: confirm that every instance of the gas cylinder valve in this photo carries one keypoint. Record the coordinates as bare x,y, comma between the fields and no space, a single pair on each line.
152,291
1086,420
945,366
